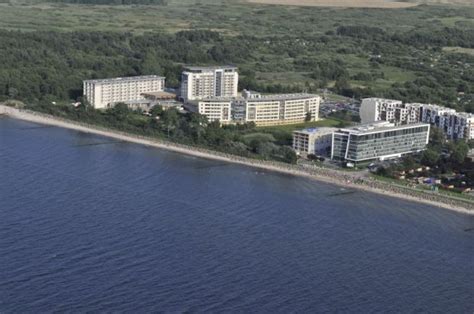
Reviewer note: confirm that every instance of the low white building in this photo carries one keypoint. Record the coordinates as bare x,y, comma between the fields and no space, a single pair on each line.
257,108
315,141
276,109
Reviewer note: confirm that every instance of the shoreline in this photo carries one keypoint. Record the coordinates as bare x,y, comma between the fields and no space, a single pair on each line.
330,176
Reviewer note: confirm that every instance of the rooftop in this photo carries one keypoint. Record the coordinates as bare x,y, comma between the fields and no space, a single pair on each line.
127,78
283,97
210,68
380,126
382,99
322,130
262,98
160,95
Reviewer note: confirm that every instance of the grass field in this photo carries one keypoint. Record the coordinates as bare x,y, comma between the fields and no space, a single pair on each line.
329,122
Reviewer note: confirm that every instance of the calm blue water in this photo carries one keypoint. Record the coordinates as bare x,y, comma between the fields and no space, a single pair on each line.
119,227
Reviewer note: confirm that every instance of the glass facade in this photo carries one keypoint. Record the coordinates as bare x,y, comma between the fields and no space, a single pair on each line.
378,144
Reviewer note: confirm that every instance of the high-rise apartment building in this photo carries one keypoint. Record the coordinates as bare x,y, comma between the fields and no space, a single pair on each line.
378,109
104,93
208,82
456,125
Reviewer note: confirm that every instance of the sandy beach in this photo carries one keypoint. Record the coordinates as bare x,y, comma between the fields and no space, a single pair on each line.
337,177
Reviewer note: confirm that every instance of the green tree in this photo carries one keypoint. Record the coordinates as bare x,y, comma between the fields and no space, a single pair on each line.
430,157
170,120
459,152
287,154
437,139
409,162
156,111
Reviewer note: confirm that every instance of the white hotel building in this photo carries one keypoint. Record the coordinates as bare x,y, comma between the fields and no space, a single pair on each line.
214,109
276,109
260,109
105,93
207,82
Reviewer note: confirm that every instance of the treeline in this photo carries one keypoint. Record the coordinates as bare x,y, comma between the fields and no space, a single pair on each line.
184,128
361,31
51,66
114,2
434,35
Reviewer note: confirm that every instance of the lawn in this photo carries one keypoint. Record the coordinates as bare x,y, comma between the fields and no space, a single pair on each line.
313,124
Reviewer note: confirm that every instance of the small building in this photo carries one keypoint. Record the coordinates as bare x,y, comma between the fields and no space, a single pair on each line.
379,141
149,100
315,141
215,109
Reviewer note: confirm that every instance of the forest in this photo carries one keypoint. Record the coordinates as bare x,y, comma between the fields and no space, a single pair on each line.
408,54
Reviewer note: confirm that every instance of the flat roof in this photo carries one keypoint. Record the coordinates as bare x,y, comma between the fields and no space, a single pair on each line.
275,97
321,130
127,78
382,126
160,94
382,99
263,98
210,68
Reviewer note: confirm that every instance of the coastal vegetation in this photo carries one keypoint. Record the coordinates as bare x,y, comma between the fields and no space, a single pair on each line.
442,159
184,128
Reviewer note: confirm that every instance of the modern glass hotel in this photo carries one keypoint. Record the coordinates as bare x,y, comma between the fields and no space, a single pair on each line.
380,140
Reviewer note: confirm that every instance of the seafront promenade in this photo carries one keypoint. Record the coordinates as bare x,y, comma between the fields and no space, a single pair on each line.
333,176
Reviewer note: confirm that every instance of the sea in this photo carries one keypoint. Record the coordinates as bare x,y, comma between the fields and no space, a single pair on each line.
92,224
